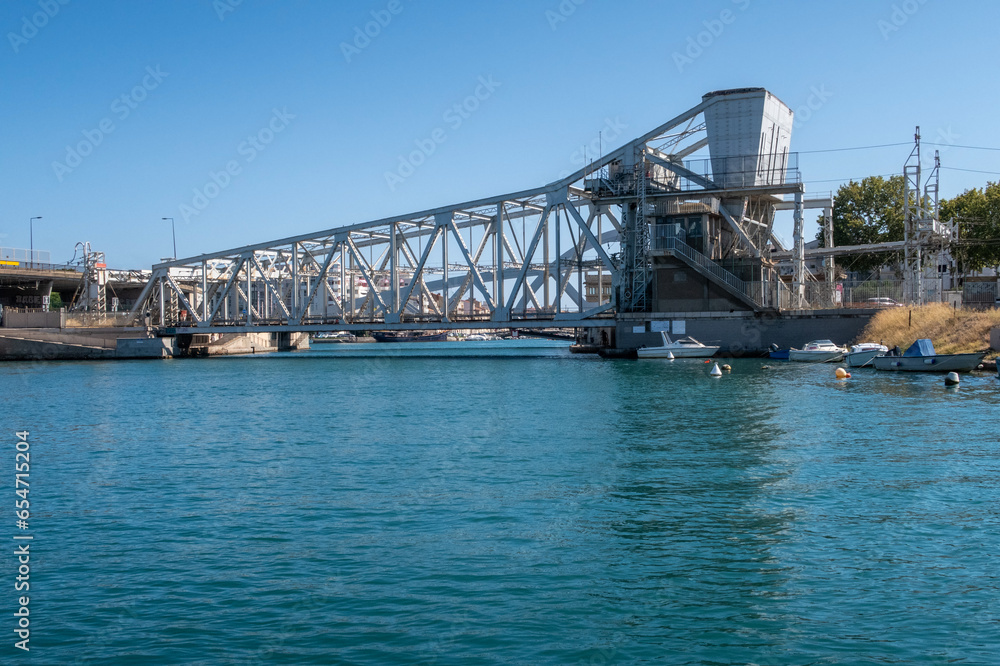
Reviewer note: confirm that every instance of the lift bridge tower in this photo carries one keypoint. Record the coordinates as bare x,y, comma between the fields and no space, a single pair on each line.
696,232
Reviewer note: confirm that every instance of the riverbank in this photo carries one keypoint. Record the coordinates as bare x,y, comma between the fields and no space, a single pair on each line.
952,331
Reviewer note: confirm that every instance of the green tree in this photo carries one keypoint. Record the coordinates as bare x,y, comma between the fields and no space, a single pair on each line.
976,214
868,212
55,301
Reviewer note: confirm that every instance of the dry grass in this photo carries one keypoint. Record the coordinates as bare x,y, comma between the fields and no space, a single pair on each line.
951,331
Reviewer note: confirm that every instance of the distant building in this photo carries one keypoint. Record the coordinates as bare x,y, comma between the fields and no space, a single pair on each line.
591,287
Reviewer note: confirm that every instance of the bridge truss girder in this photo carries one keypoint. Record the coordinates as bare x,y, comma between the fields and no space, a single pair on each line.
490,264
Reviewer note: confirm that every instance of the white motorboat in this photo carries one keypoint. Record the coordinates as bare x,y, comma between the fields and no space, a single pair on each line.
861,355
686,347
817,351
477,337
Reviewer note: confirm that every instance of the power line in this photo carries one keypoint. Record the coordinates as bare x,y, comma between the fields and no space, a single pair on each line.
995,173
841,180
953,145
838,150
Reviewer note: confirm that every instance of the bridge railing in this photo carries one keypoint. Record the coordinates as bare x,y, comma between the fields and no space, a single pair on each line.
20,265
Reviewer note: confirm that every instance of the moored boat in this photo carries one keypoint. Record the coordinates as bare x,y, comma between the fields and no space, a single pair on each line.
861,355
408,336
336,336
921,357
817,351
686,347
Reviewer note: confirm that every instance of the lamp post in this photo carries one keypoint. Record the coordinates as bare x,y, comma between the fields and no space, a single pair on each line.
31,234
172,233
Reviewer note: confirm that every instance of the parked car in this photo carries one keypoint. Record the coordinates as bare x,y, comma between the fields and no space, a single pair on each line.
883,303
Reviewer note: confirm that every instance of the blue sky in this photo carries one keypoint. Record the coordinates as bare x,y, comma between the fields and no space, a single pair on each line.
165,97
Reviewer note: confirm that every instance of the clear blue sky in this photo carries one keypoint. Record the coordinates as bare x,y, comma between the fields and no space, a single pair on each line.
198,80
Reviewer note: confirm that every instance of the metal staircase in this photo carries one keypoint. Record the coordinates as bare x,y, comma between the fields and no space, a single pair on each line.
750,293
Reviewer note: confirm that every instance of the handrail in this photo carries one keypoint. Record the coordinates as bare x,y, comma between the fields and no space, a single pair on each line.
680,247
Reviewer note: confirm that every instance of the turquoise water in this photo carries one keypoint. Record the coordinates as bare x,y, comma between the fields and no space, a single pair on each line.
343,507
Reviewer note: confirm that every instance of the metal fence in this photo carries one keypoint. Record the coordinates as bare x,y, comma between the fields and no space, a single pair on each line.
866,294
21,265
980,295
25,255
873,293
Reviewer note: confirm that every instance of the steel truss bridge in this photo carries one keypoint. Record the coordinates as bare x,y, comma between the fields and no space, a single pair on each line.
517,260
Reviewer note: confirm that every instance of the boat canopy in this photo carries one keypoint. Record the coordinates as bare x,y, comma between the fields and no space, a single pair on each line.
922,347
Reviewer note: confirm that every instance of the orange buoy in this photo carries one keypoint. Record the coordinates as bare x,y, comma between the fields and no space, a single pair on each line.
842,374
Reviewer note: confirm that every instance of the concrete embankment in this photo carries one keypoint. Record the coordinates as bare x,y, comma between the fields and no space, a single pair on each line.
51,344
744,333
35,344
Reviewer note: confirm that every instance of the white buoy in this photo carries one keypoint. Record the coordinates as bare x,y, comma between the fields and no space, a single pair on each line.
670,355
716,372
951,379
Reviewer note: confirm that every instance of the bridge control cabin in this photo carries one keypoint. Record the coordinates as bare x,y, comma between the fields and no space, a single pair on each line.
700,242
699,264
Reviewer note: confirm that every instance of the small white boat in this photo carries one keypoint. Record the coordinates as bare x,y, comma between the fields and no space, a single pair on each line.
861,355
686,347
477,337
335,336
817,351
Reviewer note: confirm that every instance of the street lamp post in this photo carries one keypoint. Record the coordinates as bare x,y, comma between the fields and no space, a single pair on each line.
31,233
173,234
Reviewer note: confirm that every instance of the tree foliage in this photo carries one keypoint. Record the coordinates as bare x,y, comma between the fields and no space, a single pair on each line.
976,213
868,212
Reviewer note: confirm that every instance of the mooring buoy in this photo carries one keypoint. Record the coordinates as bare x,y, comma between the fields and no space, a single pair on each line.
951,379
